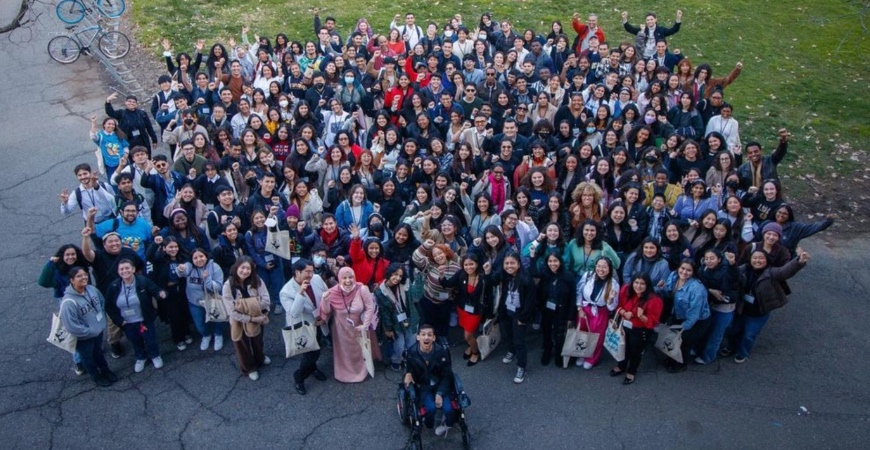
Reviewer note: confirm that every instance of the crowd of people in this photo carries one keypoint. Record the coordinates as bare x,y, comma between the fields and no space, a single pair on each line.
428,177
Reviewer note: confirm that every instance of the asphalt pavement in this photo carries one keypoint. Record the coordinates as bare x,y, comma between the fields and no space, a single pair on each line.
811,354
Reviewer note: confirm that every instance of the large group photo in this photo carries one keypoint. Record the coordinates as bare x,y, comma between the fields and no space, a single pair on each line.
433,230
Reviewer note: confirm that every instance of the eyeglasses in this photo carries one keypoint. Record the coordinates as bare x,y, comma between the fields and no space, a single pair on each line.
469,90
490,74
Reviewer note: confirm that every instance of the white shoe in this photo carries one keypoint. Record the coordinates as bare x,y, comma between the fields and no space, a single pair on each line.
158,362
521,375
441,430
278,309
139,366
587,365
508,358
700,360
181,346
203,345
254,376
579,362
218,343
188,340
267,360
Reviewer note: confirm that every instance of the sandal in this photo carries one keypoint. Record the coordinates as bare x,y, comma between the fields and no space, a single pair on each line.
628,380
615,372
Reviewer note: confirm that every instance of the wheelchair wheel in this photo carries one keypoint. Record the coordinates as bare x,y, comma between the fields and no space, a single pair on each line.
466,436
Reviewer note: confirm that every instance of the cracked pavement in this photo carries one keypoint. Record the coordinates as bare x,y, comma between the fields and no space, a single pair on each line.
810,354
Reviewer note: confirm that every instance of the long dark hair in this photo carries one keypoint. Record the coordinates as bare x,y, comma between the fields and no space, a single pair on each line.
597,242
253,280
643,298
80,258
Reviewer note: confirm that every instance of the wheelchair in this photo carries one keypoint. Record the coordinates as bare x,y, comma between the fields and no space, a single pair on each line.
412,416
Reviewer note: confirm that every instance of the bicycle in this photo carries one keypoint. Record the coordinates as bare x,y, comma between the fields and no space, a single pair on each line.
67,49
74,11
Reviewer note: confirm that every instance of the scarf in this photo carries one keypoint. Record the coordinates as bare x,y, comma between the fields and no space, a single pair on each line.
497,189
329,238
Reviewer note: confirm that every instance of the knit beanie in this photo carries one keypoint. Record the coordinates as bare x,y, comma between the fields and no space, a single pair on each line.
772,226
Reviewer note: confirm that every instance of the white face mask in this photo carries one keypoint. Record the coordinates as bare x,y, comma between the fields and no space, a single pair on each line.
283,103
448,33
348,80
318,261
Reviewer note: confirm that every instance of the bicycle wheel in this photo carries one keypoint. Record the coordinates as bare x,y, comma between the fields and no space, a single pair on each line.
114,44
70,11
64,49
111,8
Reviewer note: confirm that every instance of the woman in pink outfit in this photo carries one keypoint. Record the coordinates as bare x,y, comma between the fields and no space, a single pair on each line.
352,309
597,295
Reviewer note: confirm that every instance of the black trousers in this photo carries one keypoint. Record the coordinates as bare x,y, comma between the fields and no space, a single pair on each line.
635,343
553,330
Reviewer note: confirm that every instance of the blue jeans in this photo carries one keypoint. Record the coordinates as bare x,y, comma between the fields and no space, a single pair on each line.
91,352
427,400
274,280
401,341
747,330
719,322
205,329
144,342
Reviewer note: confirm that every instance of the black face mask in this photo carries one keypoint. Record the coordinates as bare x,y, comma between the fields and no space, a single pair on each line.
733,185
376,227
318,86
651,159
188,122
544,134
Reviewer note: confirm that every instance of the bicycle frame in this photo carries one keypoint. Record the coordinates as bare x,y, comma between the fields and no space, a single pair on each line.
99,31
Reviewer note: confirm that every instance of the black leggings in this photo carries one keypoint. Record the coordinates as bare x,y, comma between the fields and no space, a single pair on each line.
437,315
635,343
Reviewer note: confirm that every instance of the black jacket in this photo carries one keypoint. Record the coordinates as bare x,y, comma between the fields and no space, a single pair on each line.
145,290
528,297
558,289
480,299
438,374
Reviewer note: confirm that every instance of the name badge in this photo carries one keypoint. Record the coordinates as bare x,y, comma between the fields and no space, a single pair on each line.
575,132
129,313
626,324
469,309
269,258
401,317
135,133
206,110
551,305
444,296
511,307
99,317
749,299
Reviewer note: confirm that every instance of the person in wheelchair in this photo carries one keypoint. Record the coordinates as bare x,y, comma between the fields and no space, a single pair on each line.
428,369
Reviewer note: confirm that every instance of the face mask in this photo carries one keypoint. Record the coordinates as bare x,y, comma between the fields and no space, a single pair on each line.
649,120
544,134
318,261
348,80
590,130
376,227
482,37
448,33
188,122
318,85
651,159
733,185
283,103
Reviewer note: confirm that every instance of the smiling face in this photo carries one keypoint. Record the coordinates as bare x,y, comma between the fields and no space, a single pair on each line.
602,268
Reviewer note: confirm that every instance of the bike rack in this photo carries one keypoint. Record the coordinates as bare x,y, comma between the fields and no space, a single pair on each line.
116,68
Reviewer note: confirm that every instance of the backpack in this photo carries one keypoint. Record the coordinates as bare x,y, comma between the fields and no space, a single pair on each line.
78,193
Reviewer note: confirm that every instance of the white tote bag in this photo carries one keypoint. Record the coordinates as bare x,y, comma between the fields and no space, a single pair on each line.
278,241
669,341
215,311
614,340
366,345
579,344
489,339
300,338
60,337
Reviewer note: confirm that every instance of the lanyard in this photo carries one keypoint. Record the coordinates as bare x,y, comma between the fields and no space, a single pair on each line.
127,290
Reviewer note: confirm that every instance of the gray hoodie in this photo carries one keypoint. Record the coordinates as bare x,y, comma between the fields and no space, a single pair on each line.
83,315
209,277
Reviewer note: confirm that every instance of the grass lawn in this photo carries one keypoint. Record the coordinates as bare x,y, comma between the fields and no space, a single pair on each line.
805,63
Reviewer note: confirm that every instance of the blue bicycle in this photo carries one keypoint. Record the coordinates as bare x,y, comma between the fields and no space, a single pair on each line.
73,11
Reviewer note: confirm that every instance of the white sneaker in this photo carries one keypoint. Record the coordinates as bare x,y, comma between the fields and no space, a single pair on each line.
139,366
188,340
587,365
700,360
441,430
267,360
278,309
181,346
579,362
254,376
521,375
158,362
203,345
218,343
508,358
